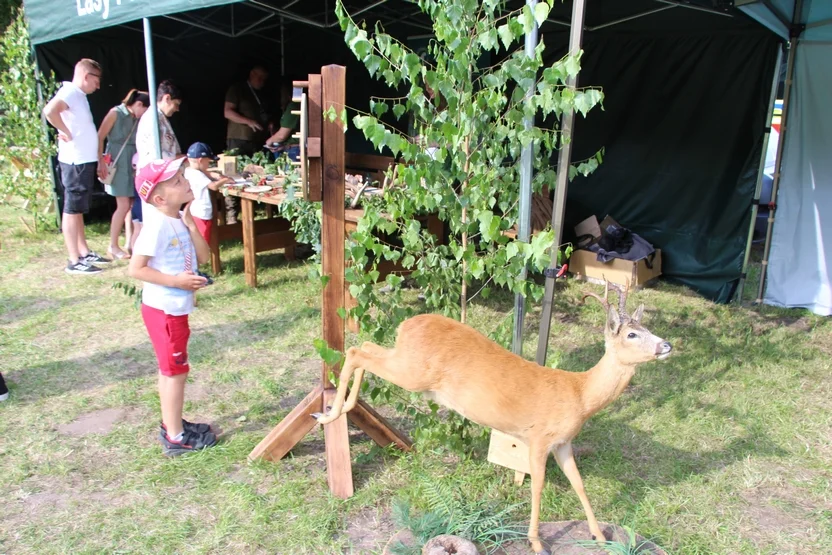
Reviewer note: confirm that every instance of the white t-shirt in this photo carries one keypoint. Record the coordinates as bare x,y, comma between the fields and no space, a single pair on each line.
146,137
83,148
167,241
145,147
201,206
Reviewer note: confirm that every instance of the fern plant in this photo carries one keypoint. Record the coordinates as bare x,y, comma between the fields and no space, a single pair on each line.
449,513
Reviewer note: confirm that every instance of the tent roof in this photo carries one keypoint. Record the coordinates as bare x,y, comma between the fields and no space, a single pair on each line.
51,20
811,19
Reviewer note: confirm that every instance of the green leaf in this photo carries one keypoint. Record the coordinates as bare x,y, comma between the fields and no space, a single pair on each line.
330,356
505,35
541,12
399,110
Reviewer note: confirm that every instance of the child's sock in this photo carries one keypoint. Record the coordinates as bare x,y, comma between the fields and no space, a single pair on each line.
177,438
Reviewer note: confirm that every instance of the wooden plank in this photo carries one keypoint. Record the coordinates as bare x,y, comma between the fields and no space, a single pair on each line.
249,242
338,465
273,225
314,142
377,427
214,239
508,451
227,232
291,429
276,240
333,86
332,232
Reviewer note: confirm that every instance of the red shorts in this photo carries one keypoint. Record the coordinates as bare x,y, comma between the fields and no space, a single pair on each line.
169,336
204,227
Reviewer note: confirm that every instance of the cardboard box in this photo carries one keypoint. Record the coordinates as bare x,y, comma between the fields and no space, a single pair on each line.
227,165
584,265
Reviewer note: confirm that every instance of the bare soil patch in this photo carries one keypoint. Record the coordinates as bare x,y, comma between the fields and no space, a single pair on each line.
99,422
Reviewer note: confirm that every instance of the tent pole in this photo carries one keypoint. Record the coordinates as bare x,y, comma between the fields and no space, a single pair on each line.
151,85
778,164
282,48
564,159
39,88
760,171
525,209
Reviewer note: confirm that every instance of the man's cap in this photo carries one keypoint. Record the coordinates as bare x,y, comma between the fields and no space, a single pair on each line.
201,150
155,172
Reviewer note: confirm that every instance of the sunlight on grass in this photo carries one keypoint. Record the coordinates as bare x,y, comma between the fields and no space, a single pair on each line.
723,448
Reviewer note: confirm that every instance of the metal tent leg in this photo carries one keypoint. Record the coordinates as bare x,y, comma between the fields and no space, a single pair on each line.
758,190
564,158
151,84
778,164
524,225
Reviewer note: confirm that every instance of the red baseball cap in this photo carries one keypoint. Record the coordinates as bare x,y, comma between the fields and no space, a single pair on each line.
155,172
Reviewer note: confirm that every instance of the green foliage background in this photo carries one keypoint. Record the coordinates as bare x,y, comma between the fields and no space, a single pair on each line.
25,147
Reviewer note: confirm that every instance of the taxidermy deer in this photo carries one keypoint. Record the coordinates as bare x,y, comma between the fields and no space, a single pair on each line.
461,369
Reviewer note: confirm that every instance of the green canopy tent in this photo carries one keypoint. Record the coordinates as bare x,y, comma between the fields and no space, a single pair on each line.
687,95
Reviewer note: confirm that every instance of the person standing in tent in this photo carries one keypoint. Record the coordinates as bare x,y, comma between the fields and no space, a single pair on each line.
283,140
119,131
247,112
168,100
69,113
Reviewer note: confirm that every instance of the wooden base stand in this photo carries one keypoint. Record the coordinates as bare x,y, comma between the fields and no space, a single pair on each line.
325,91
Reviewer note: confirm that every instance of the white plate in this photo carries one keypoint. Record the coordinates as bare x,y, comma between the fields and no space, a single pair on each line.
258,189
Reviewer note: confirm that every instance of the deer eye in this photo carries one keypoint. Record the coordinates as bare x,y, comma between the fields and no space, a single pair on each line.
632,335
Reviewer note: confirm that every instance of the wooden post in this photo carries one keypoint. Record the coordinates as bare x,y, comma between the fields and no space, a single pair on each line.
339,469
249,242
299,422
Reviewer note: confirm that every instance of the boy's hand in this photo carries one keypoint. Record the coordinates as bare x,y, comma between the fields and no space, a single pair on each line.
187,218
189,281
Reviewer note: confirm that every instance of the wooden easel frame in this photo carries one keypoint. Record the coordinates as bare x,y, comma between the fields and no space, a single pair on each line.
326,183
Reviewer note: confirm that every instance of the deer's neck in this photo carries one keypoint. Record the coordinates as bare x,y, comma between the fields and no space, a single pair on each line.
604,383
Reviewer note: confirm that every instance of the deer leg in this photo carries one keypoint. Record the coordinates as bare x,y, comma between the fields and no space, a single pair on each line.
537,463
350,364
372,348
356,387
566,462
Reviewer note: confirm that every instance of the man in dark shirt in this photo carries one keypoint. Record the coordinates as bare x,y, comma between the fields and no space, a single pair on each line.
247,113
283,140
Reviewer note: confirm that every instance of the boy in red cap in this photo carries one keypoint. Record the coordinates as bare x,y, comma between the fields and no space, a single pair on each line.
166,256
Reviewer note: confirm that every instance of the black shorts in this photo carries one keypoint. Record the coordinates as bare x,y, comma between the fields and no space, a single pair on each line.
78,181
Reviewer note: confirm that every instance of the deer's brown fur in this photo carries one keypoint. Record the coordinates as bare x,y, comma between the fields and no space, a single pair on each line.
467,372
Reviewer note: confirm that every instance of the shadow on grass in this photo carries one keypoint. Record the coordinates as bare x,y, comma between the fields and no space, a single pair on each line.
102,368
23,307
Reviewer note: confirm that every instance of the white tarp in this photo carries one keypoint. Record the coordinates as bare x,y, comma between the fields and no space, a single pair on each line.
800,264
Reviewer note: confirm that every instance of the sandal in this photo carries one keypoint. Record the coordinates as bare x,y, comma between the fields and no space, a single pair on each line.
118,255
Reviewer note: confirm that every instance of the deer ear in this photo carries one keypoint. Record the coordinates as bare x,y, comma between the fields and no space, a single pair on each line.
613,320
638,314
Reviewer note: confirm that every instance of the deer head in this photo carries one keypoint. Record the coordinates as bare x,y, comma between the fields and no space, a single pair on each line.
624,335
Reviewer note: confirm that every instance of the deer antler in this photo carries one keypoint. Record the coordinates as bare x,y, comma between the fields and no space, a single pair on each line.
605,301
622,297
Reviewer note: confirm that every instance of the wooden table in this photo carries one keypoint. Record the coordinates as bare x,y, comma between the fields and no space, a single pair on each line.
268,234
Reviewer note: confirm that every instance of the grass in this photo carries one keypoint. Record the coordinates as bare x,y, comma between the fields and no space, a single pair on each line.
723,448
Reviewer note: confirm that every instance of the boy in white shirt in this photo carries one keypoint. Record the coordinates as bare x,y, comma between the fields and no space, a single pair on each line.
200,157
165,257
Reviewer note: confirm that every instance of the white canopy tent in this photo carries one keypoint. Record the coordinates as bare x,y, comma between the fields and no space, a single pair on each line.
797,262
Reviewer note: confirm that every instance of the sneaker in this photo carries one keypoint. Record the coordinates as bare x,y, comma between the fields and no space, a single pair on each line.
196,428
190,442
94,258
81,267
4,391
